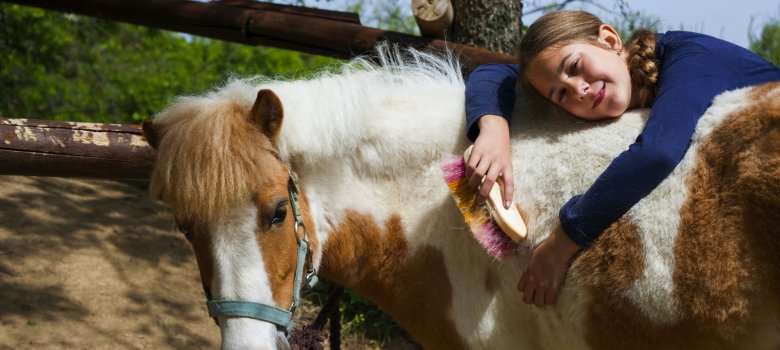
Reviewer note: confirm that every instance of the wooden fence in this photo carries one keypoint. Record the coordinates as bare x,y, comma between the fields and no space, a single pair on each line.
69,149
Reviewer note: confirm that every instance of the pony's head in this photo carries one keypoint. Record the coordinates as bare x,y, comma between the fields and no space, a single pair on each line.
237,203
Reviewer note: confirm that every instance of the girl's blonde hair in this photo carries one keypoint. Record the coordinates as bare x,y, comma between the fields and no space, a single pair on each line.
560,28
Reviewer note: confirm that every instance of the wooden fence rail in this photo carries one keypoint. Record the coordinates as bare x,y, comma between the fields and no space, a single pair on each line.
306,30
70,149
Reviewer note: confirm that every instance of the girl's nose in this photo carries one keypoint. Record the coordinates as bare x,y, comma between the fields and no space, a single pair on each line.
579,87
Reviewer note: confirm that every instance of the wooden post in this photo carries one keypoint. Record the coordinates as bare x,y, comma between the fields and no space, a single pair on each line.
433,17
70,149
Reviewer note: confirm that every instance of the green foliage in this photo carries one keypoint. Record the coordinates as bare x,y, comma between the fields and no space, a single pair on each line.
768,44
620,15
67,67
359,315
629,21
388,15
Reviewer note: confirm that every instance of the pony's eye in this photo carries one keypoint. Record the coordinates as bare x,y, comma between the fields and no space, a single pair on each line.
280,213
184,229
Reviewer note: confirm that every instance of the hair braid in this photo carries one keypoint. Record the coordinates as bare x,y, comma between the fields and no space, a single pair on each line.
643,66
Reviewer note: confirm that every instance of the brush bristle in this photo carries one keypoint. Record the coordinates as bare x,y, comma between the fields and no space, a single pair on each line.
477,217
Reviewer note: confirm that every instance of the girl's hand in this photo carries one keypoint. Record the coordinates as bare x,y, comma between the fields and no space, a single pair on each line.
544,275
491,159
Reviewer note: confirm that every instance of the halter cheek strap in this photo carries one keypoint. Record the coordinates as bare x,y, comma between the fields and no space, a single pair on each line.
269,313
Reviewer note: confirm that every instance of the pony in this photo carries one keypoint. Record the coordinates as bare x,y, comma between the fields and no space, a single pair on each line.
693,265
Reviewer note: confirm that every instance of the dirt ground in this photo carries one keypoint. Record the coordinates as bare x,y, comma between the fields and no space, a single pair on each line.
93,264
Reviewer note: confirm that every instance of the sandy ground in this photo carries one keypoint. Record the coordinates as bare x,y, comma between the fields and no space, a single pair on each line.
92,264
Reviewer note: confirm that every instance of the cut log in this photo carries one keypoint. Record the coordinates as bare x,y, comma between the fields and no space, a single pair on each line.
433,17
70,149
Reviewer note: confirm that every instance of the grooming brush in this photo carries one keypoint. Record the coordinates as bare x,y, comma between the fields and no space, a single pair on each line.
496,228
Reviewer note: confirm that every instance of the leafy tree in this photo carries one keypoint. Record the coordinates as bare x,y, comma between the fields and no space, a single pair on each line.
67,67
768,44
620,15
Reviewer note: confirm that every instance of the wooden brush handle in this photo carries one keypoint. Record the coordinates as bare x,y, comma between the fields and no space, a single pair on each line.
509,220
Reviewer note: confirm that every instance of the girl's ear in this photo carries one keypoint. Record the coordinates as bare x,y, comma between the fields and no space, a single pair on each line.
609,35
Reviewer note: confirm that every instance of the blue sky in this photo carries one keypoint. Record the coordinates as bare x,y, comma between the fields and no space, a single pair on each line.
727,20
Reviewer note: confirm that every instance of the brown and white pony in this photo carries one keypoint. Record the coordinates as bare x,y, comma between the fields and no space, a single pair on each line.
694,265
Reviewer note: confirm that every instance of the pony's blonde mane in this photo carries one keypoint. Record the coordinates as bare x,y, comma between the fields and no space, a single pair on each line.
211,157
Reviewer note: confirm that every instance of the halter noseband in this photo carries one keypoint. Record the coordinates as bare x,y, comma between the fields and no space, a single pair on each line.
269,313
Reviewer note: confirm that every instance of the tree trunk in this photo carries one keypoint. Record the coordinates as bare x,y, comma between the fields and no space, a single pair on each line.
489,24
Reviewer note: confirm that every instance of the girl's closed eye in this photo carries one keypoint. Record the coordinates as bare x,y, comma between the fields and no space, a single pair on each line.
573,67
572,72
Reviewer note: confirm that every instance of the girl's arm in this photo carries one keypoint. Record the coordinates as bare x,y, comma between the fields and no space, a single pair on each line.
490,97
490,90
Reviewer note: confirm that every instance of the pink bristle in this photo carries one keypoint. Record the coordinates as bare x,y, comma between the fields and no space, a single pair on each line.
453,168
495,242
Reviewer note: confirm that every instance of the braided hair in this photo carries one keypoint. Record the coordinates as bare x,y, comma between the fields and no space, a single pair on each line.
643,66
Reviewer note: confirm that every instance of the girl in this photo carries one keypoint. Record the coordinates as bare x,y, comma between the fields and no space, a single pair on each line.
576,62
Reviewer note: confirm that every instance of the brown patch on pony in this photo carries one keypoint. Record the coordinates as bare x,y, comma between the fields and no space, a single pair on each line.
376,262
727,252
728,256
608,269
279,245
201,246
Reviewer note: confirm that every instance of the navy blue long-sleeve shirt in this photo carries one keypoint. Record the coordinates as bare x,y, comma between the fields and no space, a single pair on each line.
694,68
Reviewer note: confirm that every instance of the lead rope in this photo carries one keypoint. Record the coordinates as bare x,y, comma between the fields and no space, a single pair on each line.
309,337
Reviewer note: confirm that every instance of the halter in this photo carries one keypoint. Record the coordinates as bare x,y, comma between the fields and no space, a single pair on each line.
280,317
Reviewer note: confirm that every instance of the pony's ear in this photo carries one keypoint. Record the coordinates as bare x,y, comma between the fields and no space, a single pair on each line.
149,133
267,114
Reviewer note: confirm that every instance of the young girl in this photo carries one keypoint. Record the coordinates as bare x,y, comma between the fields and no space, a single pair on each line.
578,63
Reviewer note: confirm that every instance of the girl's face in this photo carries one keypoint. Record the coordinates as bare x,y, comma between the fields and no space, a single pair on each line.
586,80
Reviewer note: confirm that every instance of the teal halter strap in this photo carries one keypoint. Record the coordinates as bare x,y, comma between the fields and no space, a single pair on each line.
268,313
262,312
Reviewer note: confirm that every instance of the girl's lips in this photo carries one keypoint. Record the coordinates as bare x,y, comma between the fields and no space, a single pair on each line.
600,96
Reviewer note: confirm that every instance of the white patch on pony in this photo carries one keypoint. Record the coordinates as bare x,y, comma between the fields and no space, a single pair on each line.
239,274
657,217
488,321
